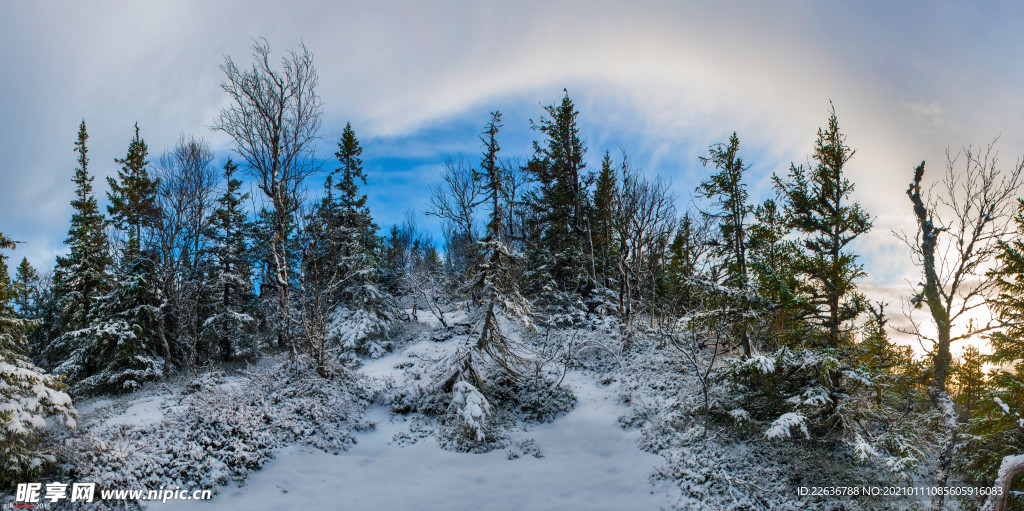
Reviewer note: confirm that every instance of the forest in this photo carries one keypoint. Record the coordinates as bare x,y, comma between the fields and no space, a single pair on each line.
261,305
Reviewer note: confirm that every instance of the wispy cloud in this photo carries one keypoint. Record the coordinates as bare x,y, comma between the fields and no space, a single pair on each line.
663,79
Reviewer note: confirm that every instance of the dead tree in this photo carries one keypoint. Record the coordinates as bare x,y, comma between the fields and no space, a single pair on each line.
273,120
959,225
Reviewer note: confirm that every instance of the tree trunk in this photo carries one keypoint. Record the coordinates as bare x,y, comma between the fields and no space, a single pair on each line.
163,338
1012,467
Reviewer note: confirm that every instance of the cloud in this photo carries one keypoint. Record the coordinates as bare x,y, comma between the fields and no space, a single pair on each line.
664,79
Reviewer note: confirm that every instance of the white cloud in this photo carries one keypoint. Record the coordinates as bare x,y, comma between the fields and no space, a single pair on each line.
907,81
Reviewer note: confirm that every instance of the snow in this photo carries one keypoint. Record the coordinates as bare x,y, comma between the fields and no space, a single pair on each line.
1008,464
91,407
140,413
583,460
1006,409
783,426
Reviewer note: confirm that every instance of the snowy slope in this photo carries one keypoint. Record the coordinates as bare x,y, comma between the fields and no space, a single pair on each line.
587,462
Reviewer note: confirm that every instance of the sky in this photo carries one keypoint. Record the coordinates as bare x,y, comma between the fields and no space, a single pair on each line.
658,80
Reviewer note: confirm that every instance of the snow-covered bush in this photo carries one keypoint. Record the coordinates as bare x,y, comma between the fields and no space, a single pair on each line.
471,424
28,395
218,430
809,395
360,331
793,394
532,399
321,412
718,472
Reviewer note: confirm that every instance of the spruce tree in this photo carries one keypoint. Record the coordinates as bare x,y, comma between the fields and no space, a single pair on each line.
229,330
362,311
494,278
27,393
561,233
26,285
996,430
970,381
819,209
80,276
132,195
353,210
115,353
1008,345
772,259
729,195
602,223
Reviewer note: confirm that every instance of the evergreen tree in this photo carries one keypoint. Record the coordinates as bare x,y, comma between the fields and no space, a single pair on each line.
133,194
818,207
729,193
970,382
80,276
362,311
1008,345
494,281
772,257
27,393
603,228
229,330
561,232
685,254
494,278
115,353
996,430
353,210
26,285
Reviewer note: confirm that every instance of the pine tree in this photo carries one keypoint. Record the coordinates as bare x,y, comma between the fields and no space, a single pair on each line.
230,326
560,201
26,284
772,259
361,310
115,353
970,382
133,194
818,207
80,276
603,235
29,395
729,193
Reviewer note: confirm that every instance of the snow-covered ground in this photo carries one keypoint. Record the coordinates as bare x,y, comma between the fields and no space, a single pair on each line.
582,460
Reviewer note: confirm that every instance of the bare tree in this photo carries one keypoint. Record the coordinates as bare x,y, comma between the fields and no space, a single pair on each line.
313,313
644,219
700,339
274,120
185,198
456,201
960,223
